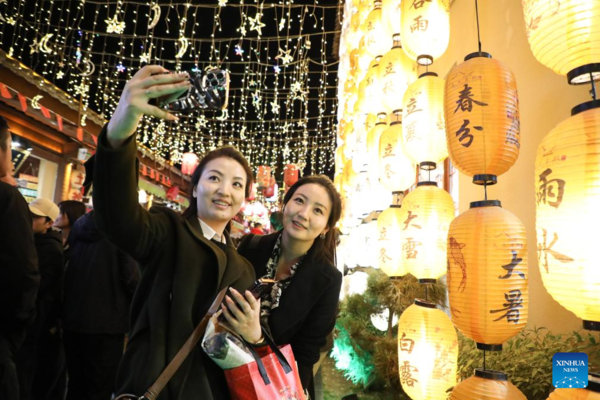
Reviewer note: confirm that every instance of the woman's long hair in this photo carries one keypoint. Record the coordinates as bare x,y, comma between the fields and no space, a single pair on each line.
225,151
322,248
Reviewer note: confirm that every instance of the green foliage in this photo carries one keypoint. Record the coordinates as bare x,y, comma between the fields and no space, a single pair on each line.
351,359
527,358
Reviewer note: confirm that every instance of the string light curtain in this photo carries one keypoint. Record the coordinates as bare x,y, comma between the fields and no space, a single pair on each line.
489,385
487,274
481,109
565,36
282,100
567,184
425,29
427,352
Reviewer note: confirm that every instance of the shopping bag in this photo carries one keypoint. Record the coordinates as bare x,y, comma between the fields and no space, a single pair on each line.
223,346
273,376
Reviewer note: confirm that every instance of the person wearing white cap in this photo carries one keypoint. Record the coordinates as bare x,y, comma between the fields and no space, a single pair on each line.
19,277
43,212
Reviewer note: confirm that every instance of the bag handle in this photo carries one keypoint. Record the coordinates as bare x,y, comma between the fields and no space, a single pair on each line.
164,378
280,357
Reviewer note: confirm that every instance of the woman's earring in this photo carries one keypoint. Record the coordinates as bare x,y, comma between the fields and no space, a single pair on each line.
322,235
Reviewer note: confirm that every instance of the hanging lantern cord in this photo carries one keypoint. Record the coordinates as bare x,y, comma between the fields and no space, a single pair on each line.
426,292
593,91
478,35
485,189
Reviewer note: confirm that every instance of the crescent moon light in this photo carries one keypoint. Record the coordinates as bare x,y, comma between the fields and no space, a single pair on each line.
156,17
183,45
43,45
35,100
89,68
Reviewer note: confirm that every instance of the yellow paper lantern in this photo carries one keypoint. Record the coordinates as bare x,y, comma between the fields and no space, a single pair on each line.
487,274
481,109
567,181
426,215
388,253
349,176
489,385
591,392
424,130
349,140
427,352
425,29
370,90
373,146
377,39
364,60
364,8
361,154
565,36
396,172
391,11
396,73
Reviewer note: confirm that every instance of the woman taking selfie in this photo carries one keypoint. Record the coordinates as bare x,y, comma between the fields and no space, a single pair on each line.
301,308
184,260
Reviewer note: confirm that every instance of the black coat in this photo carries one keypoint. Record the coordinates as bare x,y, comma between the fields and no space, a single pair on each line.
99,282
182,272
51,266
308,306
19,277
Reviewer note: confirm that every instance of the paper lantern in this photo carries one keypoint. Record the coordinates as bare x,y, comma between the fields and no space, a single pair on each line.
377,39
263,177
173,192
565,36
481,109
489,385
425,218
425,29
391,11
487,274
396,172
364,60
364,9
373,147
290,174
427,352
424,130
591,392
396,73
269,191
361,153
388,251
349,176
567,182
350,140
355,32
370,90
189,162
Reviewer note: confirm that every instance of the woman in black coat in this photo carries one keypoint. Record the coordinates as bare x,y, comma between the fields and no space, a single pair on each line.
301,309
184,260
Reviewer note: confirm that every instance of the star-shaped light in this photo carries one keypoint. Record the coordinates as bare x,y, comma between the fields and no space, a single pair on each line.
284,56
238,50
60,64
201,122
255,24
121,68
286,151
282,24
252,83
114,25
286,127
222,3
60,75
34,47
277,69
242,30
296,91
275,107
256,99
144,58
11,20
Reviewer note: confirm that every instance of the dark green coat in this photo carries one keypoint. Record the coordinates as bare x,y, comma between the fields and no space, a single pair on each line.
182,272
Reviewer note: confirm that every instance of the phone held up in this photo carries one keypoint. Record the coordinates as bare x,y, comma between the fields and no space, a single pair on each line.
208,91
259,289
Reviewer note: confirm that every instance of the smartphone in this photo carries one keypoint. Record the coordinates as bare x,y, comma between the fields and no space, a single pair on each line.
258,289
209,91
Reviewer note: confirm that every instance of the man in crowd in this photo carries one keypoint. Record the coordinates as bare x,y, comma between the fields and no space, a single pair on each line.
19,277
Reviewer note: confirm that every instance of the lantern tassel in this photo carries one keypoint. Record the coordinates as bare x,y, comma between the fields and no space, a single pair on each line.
478,34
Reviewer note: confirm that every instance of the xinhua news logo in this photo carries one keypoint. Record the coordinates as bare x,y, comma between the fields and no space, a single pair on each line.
570,370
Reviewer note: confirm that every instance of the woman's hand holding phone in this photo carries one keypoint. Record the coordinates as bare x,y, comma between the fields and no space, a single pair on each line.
243,314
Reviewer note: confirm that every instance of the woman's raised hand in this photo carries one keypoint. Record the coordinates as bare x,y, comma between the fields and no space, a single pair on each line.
150,82
243,315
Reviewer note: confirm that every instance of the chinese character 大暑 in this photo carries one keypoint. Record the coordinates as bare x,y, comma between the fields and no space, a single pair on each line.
511,308
465,100
510,268
551,191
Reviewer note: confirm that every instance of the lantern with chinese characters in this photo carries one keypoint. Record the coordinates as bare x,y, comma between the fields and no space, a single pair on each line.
391,12
377,40
373,147
361,154
426,215
487,274
263,177
489,385
481,108
349,176
567,181
388,252
423,120
189,162
396,73
591,392
563,36
290,174
350,140
370,90
396,172
364,60
425,29
427,352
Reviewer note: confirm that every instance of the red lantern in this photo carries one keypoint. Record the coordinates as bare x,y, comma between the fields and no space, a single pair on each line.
189,162
290,174
269,191
263,177
173,192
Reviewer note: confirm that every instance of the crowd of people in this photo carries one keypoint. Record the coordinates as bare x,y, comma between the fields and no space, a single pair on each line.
69,298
